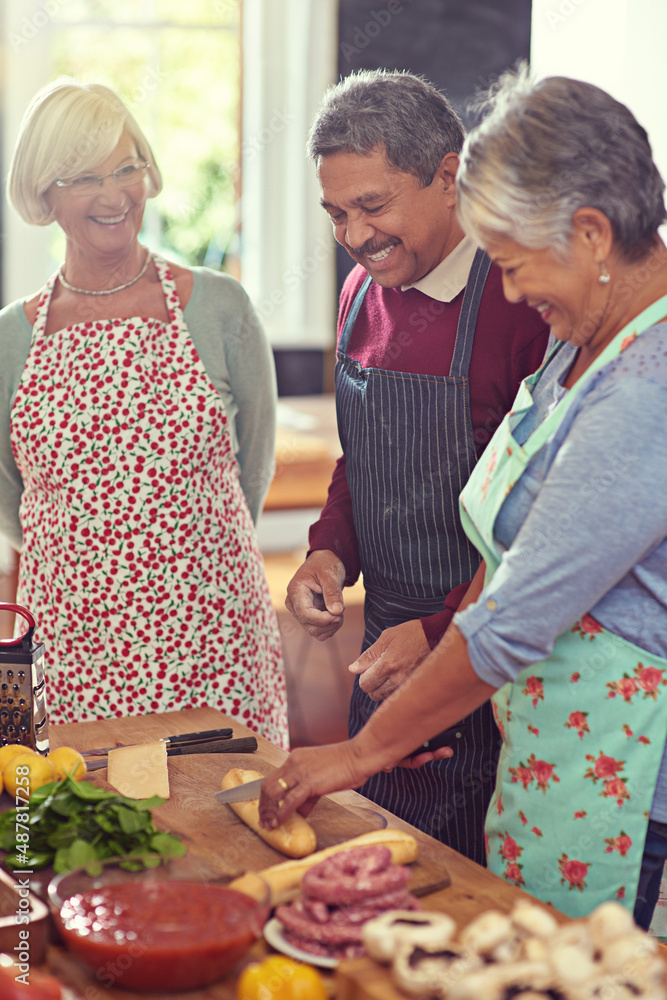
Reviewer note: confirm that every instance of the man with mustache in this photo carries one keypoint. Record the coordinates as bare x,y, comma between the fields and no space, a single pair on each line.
430,356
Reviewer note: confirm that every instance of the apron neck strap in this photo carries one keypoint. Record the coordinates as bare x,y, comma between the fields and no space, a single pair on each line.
465,331
635,328
352,316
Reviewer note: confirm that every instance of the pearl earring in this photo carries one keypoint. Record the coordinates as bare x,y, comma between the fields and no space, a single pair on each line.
604,277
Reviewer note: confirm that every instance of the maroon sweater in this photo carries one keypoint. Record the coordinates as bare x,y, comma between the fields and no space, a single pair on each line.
411,332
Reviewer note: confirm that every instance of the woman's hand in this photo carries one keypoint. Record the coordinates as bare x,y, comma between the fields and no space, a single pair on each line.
388,663
307,774
442,690
311,772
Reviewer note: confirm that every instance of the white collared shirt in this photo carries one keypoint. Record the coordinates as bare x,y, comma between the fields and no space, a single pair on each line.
450,277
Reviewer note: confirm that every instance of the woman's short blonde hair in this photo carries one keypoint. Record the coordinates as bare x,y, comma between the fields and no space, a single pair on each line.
69,127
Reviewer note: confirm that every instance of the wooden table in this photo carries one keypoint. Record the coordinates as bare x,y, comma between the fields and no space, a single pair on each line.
214,834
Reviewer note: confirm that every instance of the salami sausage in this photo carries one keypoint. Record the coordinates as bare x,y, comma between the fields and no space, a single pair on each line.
339,895
352,876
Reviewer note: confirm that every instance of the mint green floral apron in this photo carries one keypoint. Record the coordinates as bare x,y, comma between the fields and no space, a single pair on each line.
584,730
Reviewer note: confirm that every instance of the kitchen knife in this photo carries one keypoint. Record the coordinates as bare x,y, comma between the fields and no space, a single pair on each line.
247,744
240,793
208,734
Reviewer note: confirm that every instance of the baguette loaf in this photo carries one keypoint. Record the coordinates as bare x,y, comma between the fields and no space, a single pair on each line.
284,879
295,837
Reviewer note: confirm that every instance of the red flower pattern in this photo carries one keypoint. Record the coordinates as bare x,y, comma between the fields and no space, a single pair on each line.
535,770
534,688
646,679
603,767
622,843
587,627
513,874
577,721
522,775
626,687
509,849
573,873
140,560
649,679
544,772
616,789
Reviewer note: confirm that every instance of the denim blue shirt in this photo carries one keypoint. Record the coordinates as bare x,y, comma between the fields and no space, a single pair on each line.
585,527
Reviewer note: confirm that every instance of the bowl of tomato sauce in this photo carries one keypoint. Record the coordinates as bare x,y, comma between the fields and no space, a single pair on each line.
166,929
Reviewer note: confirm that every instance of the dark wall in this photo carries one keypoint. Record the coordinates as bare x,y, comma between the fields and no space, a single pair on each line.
459,45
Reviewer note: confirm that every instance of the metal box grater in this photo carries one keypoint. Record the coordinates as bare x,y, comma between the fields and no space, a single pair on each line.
23,716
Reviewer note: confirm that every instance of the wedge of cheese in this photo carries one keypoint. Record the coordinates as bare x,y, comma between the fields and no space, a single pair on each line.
140,771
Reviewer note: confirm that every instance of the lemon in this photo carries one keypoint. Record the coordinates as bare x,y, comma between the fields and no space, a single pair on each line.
67,760
27,772
12,750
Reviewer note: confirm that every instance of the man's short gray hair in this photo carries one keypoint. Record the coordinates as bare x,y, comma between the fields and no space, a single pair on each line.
547,149
400,112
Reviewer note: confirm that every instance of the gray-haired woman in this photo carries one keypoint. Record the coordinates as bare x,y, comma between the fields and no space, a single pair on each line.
565,624
137,410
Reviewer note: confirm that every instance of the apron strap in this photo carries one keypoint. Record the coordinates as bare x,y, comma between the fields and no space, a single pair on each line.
171,297
650,316
42,311
465,331
352,316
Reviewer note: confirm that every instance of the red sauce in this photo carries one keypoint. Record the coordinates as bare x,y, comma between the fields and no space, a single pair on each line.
168,936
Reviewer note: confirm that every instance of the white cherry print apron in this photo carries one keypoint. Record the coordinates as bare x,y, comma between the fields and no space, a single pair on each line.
140,559
584,730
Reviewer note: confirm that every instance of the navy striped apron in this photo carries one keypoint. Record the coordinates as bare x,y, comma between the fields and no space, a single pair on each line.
409,450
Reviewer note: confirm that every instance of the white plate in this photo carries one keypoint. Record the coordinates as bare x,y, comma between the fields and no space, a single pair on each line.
273,932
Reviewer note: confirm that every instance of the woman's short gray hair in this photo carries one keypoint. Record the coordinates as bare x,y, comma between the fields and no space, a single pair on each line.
545,150
69,127
401,112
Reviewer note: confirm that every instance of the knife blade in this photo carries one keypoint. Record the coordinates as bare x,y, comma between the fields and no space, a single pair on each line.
208,734
246,744
240,793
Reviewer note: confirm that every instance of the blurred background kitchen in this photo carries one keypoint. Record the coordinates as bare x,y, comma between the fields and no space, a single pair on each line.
226,89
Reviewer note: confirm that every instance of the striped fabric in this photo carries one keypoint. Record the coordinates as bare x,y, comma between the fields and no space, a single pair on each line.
409,450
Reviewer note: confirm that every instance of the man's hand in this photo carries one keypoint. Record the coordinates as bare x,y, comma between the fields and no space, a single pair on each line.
315,594
388,663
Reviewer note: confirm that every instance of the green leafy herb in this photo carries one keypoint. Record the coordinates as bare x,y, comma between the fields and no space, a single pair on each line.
72,824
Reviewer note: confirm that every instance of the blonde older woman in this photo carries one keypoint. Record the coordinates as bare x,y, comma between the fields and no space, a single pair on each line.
565,624
136,443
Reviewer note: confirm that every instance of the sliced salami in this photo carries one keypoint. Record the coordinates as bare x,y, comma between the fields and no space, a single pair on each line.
353,876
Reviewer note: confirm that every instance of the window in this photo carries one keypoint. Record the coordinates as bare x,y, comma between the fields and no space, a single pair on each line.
177,67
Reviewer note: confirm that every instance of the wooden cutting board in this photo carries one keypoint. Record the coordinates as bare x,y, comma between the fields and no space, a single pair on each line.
213,832
335,824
